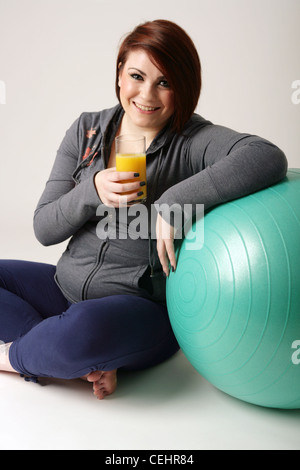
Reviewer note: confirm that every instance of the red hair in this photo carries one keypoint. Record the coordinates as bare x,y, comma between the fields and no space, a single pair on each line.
173,52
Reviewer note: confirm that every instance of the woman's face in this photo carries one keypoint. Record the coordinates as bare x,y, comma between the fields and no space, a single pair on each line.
144,92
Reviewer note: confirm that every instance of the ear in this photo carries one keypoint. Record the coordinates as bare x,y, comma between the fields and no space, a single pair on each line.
119,76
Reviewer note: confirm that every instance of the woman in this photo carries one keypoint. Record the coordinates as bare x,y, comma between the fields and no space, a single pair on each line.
103,307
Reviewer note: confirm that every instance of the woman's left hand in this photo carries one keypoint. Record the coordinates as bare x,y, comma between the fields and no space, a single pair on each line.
165,244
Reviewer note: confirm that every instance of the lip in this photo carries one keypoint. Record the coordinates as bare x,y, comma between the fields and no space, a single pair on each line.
140,107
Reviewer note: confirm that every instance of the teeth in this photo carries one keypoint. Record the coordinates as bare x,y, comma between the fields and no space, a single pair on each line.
144,108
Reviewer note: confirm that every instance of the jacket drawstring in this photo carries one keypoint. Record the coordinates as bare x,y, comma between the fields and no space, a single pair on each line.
152,258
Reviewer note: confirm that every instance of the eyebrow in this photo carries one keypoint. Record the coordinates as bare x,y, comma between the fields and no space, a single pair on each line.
162,77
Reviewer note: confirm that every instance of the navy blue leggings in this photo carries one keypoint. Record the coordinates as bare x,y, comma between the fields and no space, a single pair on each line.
54,338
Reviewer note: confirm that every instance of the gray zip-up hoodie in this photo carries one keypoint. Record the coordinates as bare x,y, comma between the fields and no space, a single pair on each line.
206,164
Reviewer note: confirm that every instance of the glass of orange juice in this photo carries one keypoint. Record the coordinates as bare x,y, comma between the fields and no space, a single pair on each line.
131,156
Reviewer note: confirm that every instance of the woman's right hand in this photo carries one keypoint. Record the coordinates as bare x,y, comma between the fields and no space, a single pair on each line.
113,191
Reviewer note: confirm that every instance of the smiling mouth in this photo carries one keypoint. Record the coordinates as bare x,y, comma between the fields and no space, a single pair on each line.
146,109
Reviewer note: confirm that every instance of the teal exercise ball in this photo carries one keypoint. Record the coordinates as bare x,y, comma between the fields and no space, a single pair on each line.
234,301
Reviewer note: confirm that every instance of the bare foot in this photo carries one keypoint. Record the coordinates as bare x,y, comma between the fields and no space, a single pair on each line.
104,382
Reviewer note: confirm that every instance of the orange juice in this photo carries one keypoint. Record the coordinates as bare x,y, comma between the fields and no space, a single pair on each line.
133,162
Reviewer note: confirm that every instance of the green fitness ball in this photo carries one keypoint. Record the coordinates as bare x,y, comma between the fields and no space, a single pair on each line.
234,303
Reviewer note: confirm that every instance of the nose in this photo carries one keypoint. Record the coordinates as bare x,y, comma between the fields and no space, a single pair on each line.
148,93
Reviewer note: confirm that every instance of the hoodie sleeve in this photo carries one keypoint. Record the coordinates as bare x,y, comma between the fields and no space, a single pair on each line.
226,165
65,206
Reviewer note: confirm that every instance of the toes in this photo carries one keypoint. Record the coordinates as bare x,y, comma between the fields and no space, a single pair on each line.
98,385
104,383
94,376
100,394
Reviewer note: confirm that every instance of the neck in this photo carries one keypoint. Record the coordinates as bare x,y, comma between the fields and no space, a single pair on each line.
128,127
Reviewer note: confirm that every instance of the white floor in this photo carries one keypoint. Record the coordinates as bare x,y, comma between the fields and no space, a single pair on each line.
169,407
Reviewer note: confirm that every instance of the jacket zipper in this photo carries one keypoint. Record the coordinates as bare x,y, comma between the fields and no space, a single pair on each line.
97,265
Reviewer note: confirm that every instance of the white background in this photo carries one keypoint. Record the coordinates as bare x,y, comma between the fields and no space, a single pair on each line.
57,59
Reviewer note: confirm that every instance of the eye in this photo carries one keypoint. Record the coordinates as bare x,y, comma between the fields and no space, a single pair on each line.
164,84
136,76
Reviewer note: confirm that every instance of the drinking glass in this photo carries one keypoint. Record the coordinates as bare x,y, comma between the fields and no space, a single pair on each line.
131,156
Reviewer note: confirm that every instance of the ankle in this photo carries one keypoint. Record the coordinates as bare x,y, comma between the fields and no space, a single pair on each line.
5,365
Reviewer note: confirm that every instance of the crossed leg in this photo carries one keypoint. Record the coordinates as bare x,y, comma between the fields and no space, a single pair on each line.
91,339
